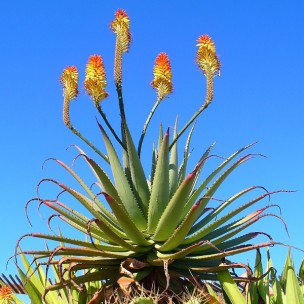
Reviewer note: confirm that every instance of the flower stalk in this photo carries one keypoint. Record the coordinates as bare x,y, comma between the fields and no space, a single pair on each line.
69,81
121,27
95,83
208,62
162,83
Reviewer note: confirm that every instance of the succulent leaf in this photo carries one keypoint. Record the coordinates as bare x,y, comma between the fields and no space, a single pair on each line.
194,197
97,203
183,167
230,288
137,172
126,223
173,165
160,186
181,231
169,220
122,185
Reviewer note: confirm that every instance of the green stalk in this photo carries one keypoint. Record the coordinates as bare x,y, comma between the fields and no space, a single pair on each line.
143,133
208,99
103,115
67,122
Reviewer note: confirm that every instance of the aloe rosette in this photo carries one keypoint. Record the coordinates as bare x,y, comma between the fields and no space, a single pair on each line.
159,232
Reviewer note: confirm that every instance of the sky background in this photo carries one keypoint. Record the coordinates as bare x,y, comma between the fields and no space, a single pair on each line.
258,97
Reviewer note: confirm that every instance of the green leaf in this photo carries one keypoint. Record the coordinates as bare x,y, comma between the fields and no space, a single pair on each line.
301,271
181,231
230,288
206,198
101,247
34,295
92,195
173,165
33,283
160,188
178,254
194,197
204,221
127,224
293,291
169,219
122,185
183,168
90,206
76,220
113,236
137,172
276,287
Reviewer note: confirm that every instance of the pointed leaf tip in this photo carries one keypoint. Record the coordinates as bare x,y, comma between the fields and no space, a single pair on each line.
167,132
196,205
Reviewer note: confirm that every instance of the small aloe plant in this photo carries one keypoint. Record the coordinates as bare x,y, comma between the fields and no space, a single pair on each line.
161,232
273,288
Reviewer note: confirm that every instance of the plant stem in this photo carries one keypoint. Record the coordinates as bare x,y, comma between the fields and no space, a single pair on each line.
208,99
103,115
67,122
143,133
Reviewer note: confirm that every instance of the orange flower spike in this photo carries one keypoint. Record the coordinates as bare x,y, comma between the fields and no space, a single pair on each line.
207,42
162,81
6,295
95,80
121,27
208,62
69,81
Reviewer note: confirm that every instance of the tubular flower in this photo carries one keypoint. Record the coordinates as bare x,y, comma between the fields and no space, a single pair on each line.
162,81
208,62
206,41
95,80
6,295
69,81
206,57
121,27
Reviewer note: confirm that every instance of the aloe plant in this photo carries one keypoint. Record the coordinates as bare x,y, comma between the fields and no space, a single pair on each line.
274,288
161,231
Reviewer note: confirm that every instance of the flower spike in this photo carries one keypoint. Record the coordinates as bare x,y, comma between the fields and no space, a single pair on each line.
162,81
95,80
207,42
69,81
208,62
95,83
6,295
206,57
121,27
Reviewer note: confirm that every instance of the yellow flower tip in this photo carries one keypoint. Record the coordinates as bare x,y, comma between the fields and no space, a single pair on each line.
6,294
121,26
207,42
69,81
206,57
162,81
95,79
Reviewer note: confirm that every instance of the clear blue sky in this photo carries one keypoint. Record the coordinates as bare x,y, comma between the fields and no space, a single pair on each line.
259,96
